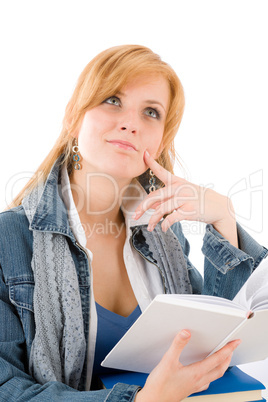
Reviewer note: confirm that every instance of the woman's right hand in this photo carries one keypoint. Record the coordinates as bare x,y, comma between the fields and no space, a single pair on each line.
170,381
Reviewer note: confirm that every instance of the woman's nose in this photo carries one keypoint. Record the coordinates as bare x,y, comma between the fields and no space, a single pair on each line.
129,122
128,128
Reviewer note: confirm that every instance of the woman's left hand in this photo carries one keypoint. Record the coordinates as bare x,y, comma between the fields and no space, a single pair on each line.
182,200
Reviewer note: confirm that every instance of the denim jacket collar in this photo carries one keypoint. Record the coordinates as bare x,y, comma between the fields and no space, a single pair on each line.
50,214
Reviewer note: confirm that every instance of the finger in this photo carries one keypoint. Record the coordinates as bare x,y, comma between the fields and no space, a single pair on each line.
155,198
217,371
221,355
151,201
214,366
177,346
176,208
164,175
168,207
202,388
178,215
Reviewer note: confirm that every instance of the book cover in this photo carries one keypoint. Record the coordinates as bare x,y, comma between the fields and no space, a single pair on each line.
238,385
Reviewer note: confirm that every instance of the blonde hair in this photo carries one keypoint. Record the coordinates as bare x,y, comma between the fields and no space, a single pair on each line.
104,76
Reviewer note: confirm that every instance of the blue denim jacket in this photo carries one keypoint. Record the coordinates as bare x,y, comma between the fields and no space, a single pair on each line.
226,269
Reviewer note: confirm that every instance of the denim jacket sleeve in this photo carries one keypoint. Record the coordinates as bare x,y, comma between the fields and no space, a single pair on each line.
226,268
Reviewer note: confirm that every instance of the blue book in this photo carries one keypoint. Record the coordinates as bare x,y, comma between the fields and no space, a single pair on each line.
238,385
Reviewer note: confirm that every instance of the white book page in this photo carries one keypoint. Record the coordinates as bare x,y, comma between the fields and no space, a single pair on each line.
211,301
254,335
254,293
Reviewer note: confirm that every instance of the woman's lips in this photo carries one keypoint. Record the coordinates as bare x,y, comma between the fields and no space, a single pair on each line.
123,144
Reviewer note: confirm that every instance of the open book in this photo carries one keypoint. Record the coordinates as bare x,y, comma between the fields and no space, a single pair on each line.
212,321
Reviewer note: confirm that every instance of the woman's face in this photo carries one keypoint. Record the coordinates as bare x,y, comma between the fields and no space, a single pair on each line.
114,135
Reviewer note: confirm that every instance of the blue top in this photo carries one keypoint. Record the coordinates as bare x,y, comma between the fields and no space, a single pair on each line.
111,328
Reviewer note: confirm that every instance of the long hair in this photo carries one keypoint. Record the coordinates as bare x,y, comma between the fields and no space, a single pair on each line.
104,76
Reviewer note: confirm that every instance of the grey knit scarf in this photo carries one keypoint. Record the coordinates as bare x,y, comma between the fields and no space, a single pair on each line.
59,347
164,250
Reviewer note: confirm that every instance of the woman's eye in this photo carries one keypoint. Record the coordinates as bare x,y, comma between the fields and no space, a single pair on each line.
152,113
113,100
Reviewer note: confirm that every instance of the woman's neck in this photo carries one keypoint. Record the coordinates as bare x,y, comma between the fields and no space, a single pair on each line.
97,197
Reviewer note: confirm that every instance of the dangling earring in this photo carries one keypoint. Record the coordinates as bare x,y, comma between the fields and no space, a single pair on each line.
76,157
151,181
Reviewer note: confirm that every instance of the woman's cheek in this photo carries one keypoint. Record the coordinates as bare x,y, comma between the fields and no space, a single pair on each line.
155,151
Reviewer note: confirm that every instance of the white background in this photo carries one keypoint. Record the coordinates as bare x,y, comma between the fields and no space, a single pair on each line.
217,47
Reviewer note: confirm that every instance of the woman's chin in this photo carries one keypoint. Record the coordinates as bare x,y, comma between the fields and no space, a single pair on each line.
124,172
118,168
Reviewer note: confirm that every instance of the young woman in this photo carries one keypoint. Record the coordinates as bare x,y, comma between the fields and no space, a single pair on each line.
96,235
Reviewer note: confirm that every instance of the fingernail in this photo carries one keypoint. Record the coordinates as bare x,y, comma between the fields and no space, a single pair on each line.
147,153
137,214
164,228
150,227
184,334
